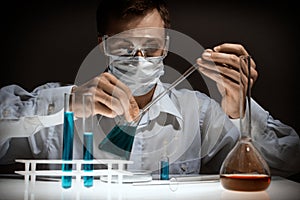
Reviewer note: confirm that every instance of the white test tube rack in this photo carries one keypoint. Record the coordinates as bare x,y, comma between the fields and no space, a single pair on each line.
31,171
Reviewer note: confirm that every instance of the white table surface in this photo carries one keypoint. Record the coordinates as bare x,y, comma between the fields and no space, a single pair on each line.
12,188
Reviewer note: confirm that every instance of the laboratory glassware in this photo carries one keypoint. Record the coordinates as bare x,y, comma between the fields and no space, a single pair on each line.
244,168
120,139
182,77
87,124
68,137
164,164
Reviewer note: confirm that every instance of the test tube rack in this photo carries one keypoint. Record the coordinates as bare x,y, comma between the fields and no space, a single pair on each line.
31,171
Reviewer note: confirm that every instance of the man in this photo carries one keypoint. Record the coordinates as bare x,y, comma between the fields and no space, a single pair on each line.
196,136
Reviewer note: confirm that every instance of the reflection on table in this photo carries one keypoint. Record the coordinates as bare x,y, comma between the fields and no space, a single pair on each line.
15,188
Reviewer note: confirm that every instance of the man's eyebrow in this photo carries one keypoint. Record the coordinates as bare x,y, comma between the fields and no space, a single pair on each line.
154,40
122,40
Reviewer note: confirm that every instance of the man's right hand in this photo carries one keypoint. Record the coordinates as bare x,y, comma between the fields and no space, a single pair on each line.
111,97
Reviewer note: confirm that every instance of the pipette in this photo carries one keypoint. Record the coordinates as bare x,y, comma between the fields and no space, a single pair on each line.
188,72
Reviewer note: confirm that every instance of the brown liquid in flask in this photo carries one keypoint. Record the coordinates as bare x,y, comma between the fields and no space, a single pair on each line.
244,169
245,182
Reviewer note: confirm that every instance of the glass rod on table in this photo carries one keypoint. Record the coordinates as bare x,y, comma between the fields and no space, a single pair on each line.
68,135
87,120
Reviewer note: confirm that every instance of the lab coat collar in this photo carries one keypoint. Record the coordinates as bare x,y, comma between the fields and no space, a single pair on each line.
165,104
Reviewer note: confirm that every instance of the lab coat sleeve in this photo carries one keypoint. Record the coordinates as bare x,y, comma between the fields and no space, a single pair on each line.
218,135
24,113
278,142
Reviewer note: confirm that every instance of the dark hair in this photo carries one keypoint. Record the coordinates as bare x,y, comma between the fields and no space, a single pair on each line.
120,9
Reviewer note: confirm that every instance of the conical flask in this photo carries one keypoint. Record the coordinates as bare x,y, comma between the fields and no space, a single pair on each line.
244,169
120,139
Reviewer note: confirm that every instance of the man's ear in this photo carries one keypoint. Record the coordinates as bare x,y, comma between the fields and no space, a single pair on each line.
99,39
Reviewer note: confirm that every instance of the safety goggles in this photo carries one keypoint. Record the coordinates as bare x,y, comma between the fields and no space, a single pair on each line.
126,45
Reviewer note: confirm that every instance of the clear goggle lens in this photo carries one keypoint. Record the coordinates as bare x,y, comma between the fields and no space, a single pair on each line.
129,46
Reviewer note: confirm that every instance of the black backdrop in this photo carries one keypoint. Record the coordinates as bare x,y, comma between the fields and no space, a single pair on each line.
46,41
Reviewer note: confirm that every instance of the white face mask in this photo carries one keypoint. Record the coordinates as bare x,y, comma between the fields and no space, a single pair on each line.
138,73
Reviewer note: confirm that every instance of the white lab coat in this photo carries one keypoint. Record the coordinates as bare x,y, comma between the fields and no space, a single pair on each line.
188,126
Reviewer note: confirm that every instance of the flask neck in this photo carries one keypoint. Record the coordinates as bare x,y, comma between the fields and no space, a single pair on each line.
245,138
245,96
245,126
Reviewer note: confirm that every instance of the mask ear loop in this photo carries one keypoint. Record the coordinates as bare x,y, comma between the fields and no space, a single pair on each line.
104,42
166,48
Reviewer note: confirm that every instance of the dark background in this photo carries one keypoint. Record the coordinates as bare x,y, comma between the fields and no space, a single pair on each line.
46,41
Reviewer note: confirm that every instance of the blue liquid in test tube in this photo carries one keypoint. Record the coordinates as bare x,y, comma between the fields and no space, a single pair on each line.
68,134
164,169
88,155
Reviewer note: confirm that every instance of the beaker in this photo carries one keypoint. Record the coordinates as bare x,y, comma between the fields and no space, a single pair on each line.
244,169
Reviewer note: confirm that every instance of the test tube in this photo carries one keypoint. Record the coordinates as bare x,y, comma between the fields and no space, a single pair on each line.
88,112
68,135
164,164
164,168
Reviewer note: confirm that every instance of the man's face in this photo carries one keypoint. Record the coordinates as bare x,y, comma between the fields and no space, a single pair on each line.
137,35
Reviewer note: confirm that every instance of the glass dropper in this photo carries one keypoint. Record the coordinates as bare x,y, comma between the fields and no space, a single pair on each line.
188,72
